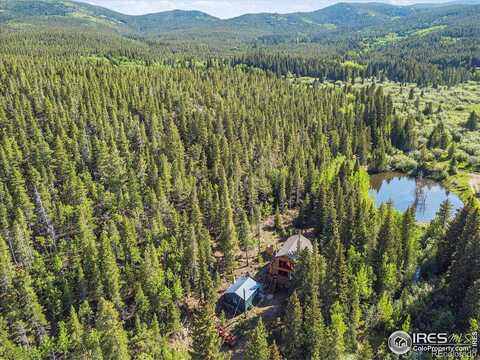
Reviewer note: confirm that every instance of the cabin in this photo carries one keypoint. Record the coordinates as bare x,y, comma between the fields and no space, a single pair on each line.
241,295
282,266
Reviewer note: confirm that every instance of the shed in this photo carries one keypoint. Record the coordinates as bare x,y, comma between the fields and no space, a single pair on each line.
241,295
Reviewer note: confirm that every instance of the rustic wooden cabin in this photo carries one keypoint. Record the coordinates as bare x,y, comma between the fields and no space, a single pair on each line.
241,295
282,266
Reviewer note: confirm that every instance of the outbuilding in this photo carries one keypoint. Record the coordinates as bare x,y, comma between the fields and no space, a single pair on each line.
241,295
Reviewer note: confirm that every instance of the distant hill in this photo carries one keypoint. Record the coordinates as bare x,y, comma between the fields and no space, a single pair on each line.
18,14
342,19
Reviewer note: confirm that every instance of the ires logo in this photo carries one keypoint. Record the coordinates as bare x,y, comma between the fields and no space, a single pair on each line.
437,344
429,339
400,342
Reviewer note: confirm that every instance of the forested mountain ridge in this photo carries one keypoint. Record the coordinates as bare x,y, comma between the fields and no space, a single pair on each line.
341,16
72,14
426,44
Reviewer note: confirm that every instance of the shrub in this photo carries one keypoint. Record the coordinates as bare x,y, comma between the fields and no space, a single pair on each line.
403,163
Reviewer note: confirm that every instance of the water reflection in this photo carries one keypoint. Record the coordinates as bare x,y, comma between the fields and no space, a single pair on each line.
403,191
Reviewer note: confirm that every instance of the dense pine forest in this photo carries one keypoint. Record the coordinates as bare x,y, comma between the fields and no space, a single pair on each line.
140,176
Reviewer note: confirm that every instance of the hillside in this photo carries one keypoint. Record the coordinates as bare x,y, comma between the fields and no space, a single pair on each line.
340,17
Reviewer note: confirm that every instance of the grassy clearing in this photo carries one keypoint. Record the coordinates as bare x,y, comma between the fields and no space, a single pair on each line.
459,184
429,30
451,106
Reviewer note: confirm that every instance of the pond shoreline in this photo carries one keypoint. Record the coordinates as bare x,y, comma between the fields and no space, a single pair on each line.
463,185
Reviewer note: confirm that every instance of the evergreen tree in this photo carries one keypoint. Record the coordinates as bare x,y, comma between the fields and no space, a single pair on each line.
206,342
257,347
338,329
354,317
110,271
112,336
228,234
278,222
408,238
244,235
450,234
6,267
314,330
293,332
473,122
274,352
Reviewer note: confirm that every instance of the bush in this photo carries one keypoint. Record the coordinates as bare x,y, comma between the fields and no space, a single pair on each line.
439,153
403,163
461,156
474,161
471,149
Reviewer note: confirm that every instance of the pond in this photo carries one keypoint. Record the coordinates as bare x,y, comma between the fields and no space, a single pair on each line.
405,191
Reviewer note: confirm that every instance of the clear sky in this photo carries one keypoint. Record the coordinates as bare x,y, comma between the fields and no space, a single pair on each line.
224,8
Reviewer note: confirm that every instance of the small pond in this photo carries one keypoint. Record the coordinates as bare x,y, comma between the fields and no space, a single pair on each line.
405,191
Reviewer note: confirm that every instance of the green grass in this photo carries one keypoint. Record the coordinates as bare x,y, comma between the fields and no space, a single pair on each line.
459,184
426,31
455,104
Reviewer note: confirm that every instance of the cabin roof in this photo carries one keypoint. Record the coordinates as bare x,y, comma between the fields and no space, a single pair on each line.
292,246
244,285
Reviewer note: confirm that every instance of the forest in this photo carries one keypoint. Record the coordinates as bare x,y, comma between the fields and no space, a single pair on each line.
140,176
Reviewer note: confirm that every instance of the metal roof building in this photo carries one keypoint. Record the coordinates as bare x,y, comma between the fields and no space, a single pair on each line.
293,246
241,295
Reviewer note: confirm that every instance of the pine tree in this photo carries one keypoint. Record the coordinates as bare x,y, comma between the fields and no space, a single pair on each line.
93,348
354,317
228,235
257,346
278,222
113,338
244,235
314,329
338,329
86,241
22,243
385,311
274,352
473,122
8,349
407,261
63,340
206,342
206,285
386,257
366,351
110,271
293,332
190,270
411,94
6,267
76,331
32,311
471,304
447,242
465,266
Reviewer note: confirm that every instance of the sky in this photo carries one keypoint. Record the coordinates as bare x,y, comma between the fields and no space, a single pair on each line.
223,8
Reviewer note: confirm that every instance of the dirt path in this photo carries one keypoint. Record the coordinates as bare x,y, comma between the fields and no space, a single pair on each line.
271,308
474,182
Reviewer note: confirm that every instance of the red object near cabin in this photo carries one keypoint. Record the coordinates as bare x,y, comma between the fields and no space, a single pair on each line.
227,337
